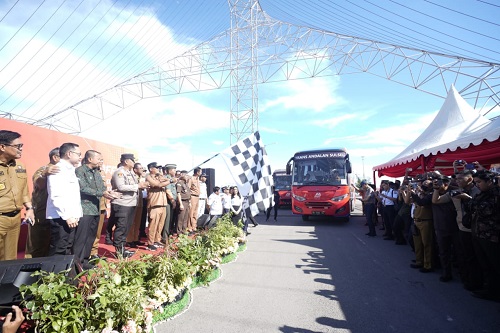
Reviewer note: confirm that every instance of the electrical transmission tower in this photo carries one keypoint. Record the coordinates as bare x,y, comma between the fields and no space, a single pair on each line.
258,49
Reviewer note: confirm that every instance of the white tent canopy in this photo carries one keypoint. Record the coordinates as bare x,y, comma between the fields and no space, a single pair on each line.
455,125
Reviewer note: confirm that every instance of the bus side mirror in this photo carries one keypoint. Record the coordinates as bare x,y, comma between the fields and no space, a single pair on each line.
288,169
348,166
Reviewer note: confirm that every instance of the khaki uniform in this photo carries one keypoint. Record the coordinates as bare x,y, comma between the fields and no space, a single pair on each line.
38,242
13,194
183,222
133,234
194,185
157,202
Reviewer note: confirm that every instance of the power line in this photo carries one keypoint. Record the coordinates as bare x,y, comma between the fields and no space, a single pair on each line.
14,5
456,11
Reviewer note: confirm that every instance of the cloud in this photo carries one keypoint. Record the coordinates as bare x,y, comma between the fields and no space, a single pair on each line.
271,130
317,95
333,122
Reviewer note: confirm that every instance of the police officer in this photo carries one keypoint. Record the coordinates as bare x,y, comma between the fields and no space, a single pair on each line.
14,194
127,184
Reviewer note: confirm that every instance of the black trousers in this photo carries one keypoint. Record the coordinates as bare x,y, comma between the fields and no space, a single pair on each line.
123,219
268,212
85,236
61,237
110,224
144,214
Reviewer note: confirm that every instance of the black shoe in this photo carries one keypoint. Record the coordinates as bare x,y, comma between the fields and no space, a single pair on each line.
400,242
131,244
158,244
416,266
139,243
389,238
255,224
445,278
275,220
425,270
152,248
125,254
108,241
371,235
247,233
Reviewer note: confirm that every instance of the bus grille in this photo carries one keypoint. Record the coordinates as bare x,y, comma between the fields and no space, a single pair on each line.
318,204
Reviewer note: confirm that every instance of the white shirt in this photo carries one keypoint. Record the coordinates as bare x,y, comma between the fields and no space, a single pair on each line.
203,190
226,201
63,189
215,203
390,193
236,201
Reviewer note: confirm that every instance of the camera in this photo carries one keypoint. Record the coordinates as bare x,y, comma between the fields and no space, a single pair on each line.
414,186
470,166
455,193
438,181
460,162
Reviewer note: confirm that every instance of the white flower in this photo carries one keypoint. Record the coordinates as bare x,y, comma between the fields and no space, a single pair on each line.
117,279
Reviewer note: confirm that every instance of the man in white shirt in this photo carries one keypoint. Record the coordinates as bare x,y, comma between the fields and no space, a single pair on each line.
64,208
203,195
388,196
226,200
215,204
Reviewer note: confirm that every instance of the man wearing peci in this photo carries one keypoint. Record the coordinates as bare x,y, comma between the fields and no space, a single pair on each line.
14,194
38,240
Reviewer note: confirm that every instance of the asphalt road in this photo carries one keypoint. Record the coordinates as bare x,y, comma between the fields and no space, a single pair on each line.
327,276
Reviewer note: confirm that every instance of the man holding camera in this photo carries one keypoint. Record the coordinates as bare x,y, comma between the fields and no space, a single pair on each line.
445,225
424,227
468,265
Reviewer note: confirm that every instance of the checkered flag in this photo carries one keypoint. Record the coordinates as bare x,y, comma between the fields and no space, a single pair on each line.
248,163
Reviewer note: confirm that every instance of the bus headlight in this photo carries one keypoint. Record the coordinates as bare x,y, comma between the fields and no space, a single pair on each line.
298,197
340,197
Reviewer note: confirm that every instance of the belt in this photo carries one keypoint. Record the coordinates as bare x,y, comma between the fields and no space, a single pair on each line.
195,195
184,199
421,220
11,214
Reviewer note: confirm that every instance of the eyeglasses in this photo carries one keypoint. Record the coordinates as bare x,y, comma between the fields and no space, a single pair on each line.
74,152
18,146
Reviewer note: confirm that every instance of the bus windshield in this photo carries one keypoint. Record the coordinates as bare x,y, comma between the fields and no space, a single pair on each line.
282,182
319,171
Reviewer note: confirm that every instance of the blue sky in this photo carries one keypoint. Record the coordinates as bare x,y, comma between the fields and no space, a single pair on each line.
46,66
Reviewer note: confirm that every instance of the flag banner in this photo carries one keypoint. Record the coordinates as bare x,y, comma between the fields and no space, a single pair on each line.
248,164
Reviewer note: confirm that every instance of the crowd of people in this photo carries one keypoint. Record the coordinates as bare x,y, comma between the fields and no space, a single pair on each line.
448,222
67,209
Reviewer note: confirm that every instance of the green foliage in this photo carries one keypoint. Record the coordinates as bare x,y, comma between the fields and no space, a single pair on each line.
56,304
122,294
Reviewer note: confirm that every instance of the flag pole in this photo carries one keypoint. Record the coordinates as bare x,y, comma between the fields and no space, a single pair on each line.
204,162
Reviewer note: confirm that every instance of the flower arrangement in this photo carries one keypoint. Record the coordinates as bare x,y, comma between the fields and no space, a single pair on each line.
122,296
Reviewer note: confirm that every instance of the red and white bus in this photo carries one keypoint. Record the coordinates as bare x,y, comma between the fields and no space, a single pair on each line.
283,184
321,183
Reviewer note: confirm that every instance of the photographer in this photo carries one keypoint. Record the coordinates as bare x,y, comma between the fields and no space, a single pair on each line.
468,265
485,209
445,225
